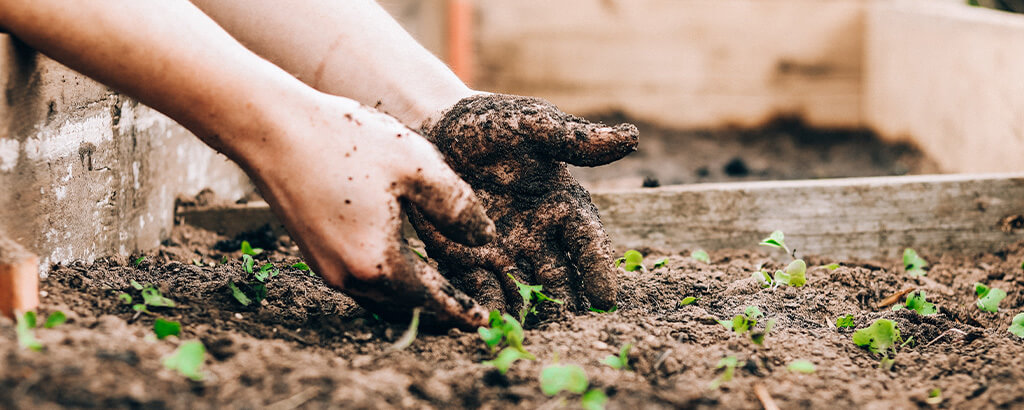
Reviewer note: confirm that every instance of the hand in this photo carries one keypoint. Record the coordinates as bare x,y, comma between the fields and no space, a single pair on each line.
513,151
336,173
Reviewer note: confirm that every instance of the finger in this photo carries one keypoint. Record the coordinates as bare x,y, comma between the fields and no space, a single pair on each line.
449,203
590,250
587,144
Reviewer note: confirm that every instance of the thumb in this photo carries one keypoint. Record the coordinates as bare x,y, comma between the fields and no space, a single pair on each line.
449,203
587,144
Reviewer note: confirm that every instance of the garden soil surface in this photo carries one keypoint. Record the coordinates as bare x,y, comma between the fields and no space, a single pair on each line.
309,346
782,149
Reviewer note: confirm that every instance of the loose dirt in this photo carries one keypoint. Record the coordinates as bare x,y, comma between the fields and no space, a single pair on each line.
782,149
309,346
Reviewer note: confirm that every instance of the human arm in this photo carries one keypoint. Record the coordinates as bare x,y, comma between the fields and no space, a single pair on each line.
335,172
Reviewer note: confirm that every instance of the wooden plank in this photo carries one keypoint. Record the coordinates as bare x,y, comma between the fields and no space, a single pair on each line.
842,218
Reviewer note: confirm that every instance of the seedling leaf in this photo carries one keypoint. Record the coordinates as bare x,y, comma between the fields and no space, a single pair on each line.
845,321
916,302
531,295
831,266
988,298
26,323
794,275
687,300
700,255
776,240
164,328
238,294
55,319
594,399
139,261
1017,325
801,366
125,298
410,334
594,309
753,312
729,364
557,377
763,278
247,263
302,266
913,264
505,358
661,263
881,337
620,362
187,360
151,296
631,261
136,285
247,249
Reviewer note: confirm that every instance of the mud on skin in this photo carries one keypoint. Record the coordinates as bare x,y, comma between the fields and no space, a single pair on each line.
513,151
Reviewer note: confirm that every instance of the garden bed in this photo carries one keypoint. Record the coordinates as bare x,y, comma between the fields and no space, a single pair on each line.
308,346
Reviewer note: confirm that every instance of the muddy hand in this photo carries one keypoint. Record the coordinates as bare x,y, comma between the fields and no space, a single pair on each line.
339,189
513,151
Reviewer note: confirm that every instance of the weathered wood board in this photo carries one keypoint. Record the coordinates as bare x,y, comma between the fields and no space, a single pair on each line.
842,218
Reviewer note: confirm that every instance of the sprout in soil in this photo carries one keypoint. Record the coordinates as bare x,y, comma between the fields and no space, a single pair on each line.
778,240
729,364
256,291
631,261
831,266
247,249
661,263
700,255
620,362
743,323
795,275
916,302
25,328
164,328
801,366
845,321
1017,325
505,328
882,337
594,309
302,266
410,334
988,298
687,300
139,260
556,378
934,396
532,296
151,297
913,264
187,360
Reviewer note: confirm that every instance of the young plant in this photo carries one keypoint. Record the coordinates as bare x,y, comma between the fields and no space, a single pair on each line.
801,366
729,364
744,323
700,255
661,263
532,296
777,240
139,260
913,264
631,261
620,362
795,274
302,266
1017,325
410,334
988,298
247,249
164,328
831,267
254,291
187,360
882,337
845,321
504,328
594,309
25,328
556,378
916,302
151,297
687,301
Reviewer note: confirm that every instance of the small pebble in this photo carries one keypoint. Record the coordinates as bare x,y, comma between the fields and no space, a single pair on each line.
238,316
599,345
43,293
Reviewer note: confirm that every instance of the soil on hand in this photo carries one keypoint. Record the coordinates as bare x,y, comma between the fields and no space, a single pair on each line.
782,149
308,346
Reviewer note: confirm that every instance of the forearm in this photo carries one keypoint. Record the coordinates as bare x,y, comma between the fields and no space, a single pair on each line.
349,48
167,54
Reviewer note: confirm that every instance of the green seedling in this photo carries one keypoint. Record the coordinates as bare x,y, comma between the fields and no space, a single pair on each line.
410,334
187,360
238,294
506,358
700,255
776,240
831,267
913,264
139,260
164,328
988,298
801,366
556,378
125,298
25,328
661,263
729,364
845,321
916,302
620,362
594,309
744,323
758,336
934,396
882,337
151,297
505,328
302,266
266,271
631,261
794,275
687,301
532,296
1017,325
247,249
248,293
763,278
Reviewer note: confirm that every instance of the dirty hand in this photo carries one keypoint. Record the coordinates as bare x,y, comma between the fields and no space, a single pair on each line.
513,151
338,181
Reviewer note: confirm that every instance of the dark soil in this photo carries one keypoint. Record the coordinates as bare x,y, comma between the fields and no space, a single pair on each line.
783,149
310,347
